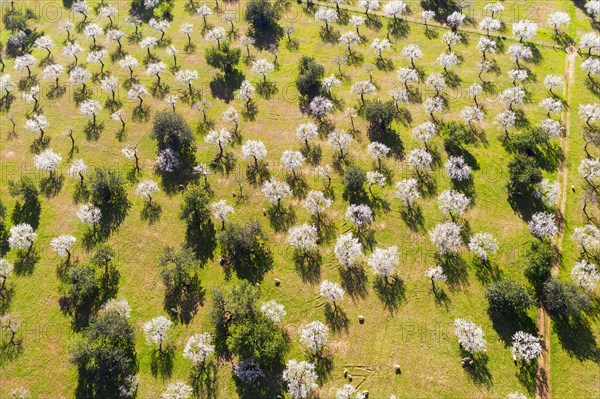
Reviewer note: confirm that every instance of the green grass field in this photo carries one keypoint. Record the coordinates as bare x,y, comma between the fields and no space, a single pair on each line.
418,335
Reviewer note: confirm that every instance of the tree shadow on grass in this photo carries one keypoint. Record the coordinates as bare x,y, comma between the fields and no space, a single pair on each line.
10,352
398,28
413,217
266,89
354,281
6,297
308,265
224,85
151,212
486,272
506,325
391,291
313,154
455,269
323,365
477,369
582,345
258,174
298,185
50,186
527,375
203,381
281,218
336,318
25,263
161,362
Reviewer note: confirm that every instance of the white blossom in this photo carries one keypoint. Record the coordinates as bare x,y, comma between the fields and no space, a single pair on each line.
314,336
303,237
246,92
21,236
470,336
292,160
340,139
384,261
248,371
472,114
436,273
547,191
394,9
62,244
262,67
456,19
347,250
146,189
254,149
89,214
316,202
453,203
483,244
177,390
424,132
558,19
221,210
407,191
513,96
331,291
446,237
198,348
301,379
47,161
274,311
276,190
585,274
489,24
590,113
457,169
542,225
433,105
525,346
420,160
587,237
167,161
120,306
320,106
524,30
360,215
156,330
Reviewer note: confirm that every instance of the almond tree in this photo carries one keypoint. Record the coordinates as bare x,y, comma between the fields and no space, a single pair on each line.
446,237
483,244
525,347
408,191
156,331
585,275
301,379
22,237
314,337
470,336
348,250
221,211
273,311
63,245
256,150
198,349
326,15
384,261
332,292
77,170
316,203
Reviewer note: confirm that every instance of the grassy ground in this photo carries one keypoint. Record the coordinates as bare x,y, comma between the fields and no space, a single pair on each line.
417,336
